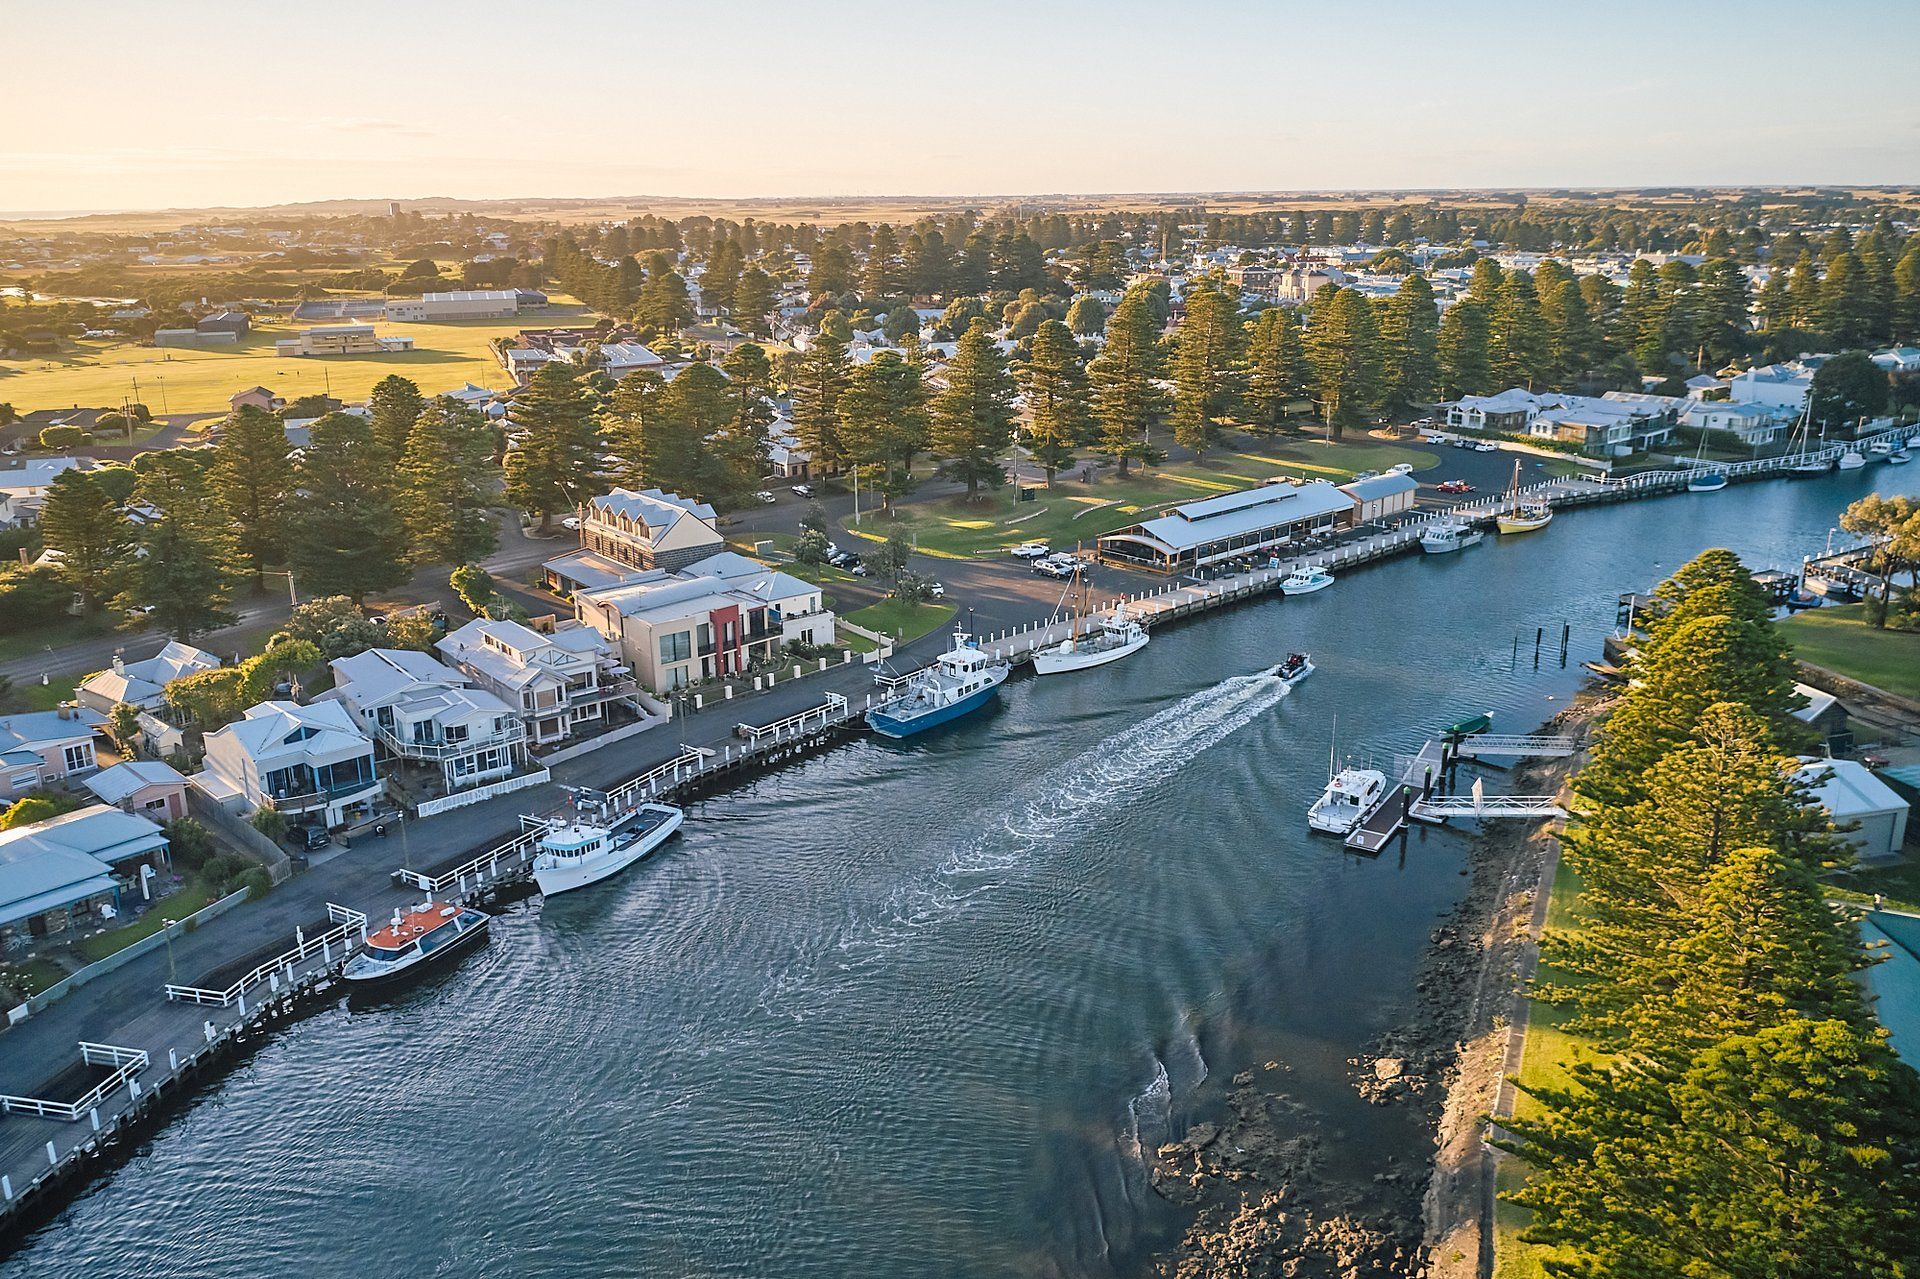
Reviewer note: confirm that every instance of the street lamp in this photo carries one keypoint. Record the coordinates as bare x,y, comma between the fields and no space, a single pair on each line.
293,597
166,931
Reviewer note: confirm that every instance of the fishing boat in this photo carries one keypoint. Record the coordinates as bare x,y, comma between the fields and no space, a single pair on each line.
1704,479
1522,517
963,679
1305,581
591,845
1296,668
1899,457
1443,536
428,934
1852,460
1350,795
1116,637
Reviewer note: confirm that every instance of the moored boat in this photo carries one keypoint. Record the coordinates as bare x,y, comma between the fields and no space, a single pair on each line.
1444,536
1899,457
430,933
581,850
1305,581
1706,482
1347,800
1852,460
1522,516
1116,637
963,679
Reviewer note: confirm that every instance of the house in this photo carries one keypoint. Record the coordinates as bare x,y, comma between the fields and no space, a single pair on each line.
1781,386
786,456
311,761
1381,496
622,358
143,683
1510,412
425,712
1603,426
719,616
1826,716
463,304
40,747
258,397
341,339
147,788
1851,794
1752,424
235,324
1249,522
23,488
55,871
556,684
649,529
1899,361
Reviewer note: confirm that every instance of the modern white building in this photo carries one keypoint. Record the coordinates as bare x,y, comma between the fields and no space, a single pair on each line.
144,683
430,714
306,761
1753,424
1853,796
1781,386
463,304
558,685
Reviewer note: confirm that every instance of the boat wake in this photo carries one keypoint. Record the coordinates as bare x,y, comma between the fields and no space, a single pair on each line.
1059,803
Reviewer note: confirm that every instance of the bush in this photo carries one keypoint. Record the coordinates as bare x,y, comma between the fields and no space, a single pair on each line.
189,842
474,586
810,547
64,437
257,883
272,823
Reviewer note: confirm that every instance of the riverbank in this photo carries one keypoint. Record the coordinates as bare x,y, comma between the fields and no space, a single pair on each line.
1254,1177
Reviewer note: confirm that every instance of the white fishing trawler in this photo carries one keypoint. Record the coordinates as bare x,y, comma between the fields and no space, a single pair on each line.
1443,536
1519,516
1350,795
1305,581
1116,637
597,841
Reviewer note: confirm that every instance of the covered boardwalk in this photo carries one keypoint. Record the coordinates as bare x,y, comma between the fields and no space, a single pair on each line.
1250,522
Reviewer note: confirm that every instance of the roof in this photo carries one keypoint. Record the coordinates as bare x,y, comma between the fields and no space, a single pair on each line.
628,353
535,656
1271,506
39,472
44,879
724,577
98,831
115,784
594,571
470,295
1818,703
277,731
379,676
1848,789
139,681
37,728
655,508
1512,400
1380,486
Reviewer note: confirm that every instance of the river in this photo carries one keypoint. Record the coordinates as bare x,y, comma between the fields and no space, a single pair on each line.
918,1010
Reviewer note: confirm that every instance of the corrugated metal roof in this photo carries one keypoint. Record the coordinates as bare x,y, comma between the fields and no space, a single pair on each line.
1283,505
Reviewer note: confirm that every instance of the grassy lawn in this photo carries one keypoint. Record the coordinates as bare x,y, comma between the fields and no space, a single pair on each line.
64,630
1898,882
1072,513
1840,640
1550,1050
93,374
906,622
31,976
183,901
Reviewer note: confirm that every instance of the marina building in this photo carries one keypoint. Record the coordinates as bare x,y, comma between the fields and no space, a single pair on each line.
1250,522
302,760
1381,496
557,685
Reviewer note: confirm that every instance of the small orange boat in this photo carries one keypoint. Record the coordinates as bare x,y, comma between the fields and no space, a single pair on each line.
427,934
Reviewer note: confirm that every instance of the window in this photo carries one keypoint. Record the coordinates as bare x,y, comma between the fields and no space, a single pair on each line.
677,647
79,758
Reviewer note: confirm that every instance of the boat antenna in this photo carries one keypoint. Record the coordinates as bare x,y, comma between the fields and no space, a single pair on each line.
1332,739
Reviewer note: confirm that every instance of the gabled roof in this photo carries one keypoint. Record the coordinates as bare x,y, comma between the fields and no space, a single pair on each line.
278,732
381,676
1248,511
39,472
114,784
655,508
98,830
139,681
44,728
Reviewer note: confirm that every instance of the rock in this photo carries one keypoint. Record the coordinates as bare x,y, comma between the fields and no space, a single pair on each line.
1242,1079
1200,1136
1389,1068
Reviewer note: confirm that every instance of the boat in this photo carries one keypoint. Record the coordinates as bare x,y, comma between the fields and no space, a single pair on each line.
1296,668
429,933
1880,448
1899,457
963,679
1348,798
580,850
1470,725
1801,598
1806,466
1116,637
1449,535
1852,460
1704,479
1305,581
1522,517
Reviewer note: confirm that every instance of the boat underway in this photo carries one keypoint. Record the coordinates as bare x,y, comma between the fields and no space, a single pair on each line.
1117,636
1305,581
963,679
577,851
1296,668
427,934
1519,516
1349,797
1449,535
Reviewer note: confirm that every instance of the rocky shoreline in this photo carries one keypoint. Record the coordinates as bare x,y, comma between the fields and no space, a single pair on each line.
1261,1202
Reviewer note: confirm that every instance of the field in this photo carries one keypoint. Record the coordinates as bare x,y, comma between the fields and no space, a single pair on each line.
905,622
1074,512
99,374
1840,640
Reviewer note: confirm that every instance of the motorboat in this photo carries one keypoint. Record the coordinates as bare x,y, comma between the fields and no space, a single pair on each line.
1349,797
962,679
1899,457
1116,637
1296,668
1305,581
1522,516
1706,482
1449,535
427,934
585,849
1852,460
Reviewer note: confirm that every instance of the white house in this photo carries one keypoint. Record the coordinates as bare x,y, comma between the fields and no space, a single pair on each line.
23,488
423,711
298,759
1853,796
556,684
1512,410
1781,386
1754,424
144,683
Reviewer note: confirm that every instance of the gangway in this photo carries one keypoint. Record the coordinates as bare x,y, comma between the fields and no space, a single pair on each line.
1438,808
1518,746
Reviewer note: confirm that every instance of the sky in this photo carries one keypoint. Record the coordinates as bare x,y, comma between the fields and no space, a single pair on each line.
134,104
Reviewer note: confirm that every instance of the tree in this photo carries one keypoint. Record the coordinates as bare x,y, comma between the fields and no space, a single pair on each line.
1465,366
753,300
1517,334
1410,345
663,305
1207,370
1127,400
396,404
347,537
1892,526
446,485
1847,388
78,520
188,563
700,404
555,463
810,547
972,419
1846,305
819,380
884,422
474,586
741,445
1573,339
1053,382
1344,347
27,810
1087,316
891,558
1278,371
252,475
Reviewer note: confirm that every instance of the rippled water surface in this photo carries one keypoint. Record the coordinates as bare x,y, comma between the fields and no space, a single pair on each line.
917,1010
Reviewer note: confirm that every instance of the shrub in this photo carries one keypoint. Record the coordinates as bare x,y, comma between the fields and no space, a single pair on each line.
63,437
272,823
474,586
810,547
257,883
190,843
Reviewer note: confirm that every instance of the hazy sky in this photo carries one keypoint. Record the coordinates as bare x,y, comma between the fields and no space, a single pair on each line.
123,104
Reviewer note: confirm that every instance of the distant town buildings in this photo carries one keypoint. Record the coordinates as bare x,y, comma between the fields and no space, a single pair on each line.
341,339
466,304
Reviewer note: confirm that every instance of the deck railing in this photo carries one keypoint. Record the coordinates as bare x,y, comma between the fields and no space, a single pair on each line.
350,925
126,1063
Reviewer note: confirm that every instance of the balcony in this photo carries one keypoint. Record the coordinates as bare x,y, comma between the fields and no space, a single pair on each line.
510,732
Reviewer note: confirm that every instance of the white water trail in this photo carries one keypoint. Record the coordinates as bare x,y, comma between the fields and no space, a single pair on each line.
1150,1115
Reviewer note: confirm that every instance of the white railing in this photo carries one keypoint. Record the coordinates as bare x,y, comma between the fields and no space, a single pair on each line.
126,1063
484,791
1531,746
486,866
349,925
686,763
834,708
1488,806
513,730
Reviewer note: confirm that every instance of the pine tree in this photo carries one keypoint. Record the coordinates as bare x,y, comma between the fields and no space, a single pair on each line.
79,520
188,564
819,380
1517,335
1465,366
1906,297
699,405
725,264
1573,339
741,445
886,273
1483,285
1723,310
663,305
252,476
753,299
1846,309
1207,366
972,418
1127,400
1410,345
1278,372
346,536
446,485
396,404
884,422
555,462
1343,344
1059,399
654,451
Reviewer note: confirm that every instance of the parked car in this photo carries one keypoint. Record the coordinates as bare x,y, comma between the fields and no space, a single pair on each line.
571,523
856,568
1031,551
1400,468
1365,475
1454,486
935,591
766,497
307,839
1485,446
803,490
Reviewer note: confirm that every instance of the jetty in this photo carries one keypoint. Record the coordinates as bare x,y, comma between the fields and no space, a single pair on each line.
1426,778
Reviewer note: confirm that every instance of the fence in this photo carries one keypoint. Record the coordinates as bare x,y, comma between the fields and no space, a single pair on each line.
241,834
474,795
127,954
126,1063
351,924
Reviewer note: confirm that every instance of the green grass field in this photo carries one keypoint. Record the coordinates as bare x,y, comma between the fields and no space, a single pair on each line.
905,622
1840,640
1072,512
97,374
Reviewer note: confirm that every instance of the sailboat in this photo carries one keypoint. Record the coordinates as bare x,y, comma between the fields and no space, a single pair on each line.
1807,466
1522,517
1710,479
